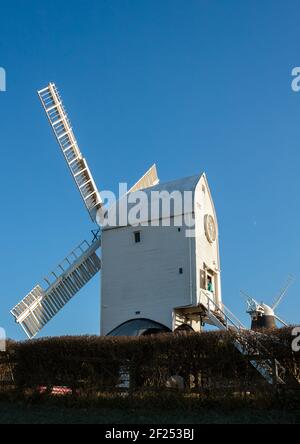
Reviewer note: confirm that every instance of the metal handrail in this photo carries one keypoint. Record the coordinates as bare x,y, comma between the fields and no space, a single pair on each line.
229,317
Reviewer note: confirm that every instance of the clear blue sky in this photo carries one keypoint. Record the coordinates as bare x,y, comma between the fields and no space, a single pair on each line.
198,85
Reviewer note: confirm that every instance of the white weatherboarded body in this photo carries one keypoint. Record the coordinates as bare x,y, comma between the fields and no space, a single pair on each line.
163,273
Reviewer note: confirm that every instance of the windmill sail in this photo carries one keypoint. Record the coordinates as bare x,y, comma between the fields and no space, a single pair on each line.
63,131
283,293
40,306
285,324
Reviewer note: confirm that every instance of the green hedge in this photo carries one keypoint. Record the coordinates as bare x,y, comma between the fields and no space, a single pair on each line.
206,361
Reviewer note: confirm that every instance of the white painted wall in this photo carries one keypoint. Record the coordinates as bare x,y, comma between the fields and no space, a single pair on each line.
145,277
206,253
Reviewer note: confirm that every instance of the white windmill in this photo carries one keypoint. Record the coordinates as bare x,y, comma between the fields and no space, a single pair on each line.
153,277
83,263
264,316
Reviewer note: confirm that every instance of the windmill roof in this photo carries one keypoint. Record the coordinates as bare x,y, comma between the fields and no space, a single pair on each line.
187,184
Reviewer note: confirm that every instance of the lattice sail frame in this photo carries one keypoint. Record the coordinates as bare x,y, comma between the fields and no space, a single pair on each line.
41,305
62,128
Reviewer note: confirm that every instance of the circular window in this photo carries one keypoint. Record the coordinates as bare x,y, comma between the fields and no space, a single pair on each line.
210,228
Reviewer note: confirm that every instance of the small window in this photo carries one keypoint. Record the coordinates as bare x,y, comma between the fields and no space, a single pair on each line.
210,283
180,270
137,237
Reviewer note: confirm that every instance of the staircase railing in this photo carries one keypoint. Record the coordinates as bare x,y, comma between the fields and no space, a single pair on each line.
225,320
